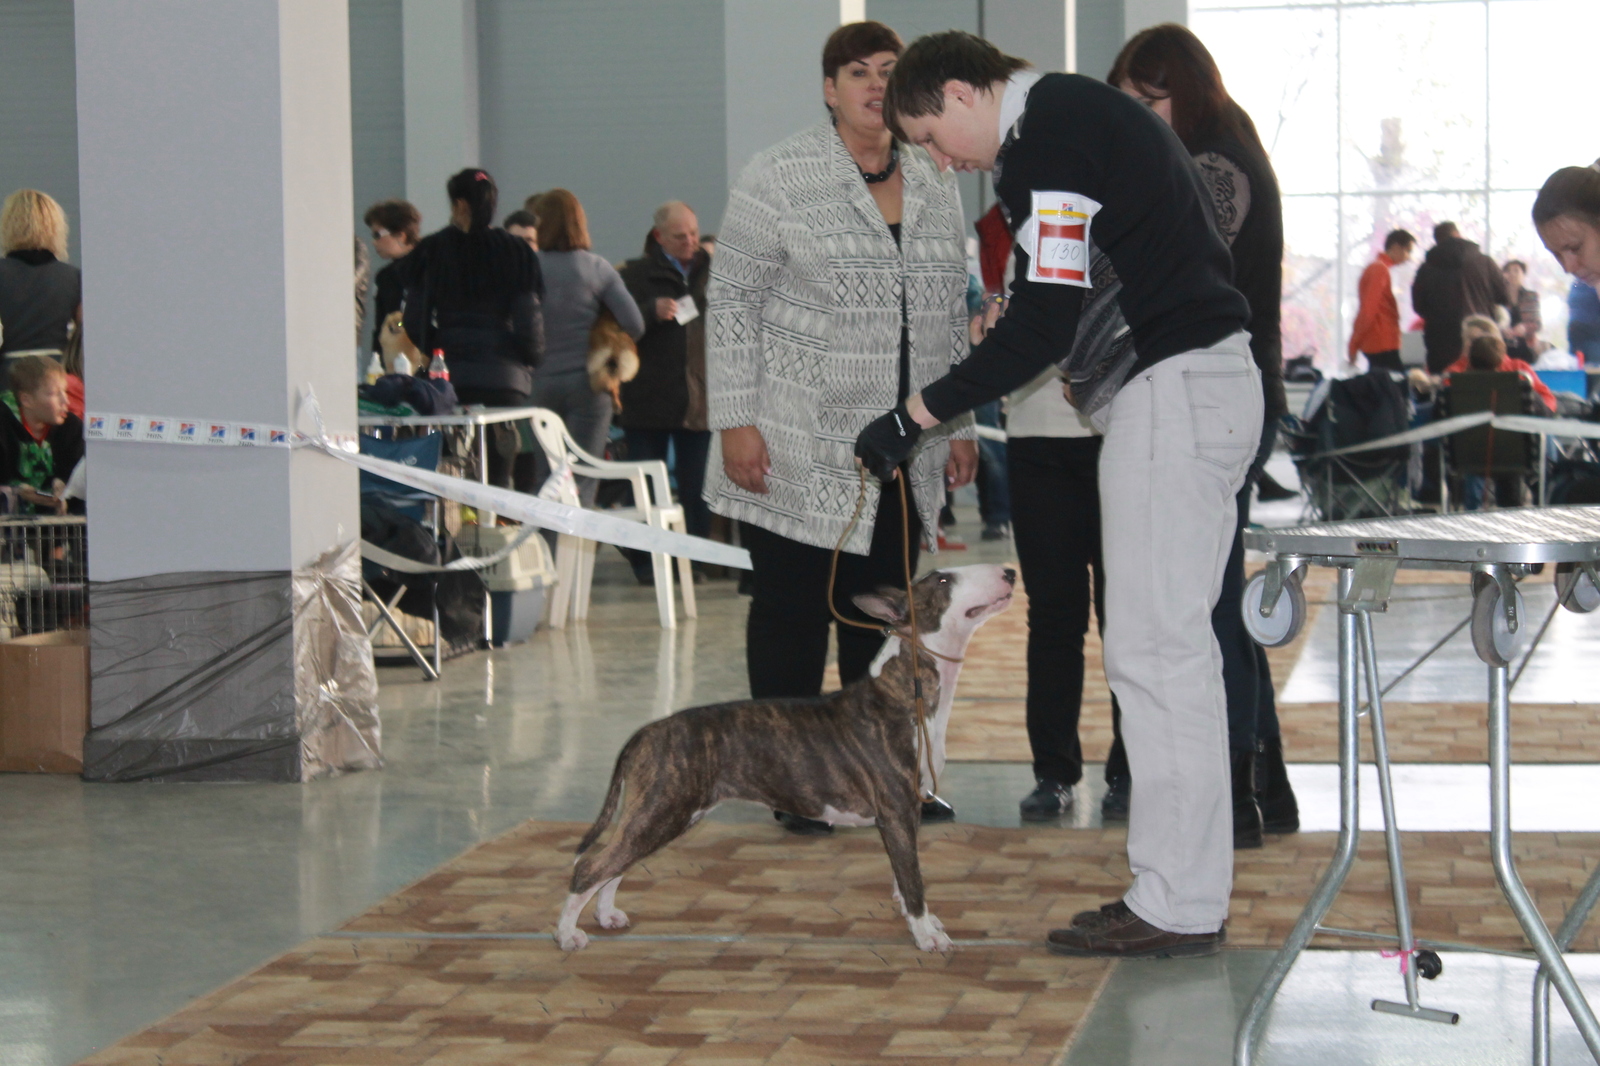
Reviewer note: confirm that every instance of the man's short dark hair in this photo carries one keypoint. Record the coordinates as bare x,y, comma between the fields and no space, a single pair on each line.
524,218
1443,230
1519,264
916,88
396,216
857,40
1401,237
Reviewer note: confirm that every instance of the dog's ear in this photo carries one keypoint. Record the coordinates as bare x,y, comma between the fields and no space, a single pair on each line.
886,605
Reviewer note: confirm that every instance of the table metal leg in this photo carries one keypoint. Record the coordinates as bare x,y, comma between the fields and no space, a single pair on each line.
486,518
1553,966
1571,926
1411,1008
1544,462
1344,854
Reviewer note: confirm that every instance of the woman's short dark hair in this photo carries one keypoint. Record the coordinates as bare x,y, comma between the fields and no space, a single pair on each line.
1571,191
522,217
396,216
563,226
1486,353
857,41
916,88
477,190
1168,62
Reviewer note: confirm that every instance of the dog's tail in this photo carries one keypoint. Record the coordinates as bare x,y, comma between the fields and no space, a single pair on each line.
609,807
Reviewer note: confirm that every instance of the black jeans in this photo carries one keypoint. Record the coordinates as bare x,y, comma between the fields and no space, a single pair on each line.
1055,523
1389,360
690,448
786,637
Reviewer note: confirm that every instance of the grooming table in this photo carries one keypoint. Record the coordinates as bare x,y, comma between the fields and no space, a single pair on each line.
1496,547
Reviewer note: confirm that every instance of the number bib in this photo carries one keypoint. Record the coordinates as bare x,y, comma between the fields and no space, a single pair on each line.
1056,238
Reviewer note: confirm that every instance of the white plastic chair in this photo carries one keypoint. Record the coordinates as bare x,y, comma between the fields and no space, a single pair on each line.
575,556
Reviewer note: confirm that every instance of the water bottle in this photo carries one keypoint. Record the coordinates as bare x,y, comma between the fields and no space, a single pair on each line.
375,368
436,368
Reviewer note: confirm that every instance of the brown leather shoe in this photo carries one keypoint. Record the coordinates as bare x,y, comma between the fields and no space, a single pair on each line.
1116,932
1111,914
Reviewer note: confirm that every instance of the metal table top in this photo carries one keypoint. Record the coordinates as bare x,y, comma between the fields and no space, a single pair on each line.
1516,535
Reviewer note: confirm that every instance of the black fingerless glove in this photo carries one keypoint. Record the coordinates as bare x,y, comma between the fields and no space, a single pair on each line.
887,442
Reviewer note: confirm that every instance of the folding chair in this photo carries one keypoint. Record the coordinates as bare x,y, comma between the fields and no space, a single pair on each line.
652,505
1499,456
423,453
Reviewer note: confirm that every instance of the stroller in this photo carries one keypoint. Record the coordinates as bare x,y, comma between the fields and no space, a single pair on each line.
1340,413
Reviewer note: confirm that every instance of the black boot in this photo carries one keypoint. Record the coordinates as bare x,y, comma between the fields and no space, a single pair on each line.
1246,815
802,826
1279,811
1114,805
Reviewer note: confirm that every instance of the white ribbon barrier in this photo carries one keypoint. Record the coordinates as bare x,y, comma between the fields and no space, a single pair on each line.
576,521
384,557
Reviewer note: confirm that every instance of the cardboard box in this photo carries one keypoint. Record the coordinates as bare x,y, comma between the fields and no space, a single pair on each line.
44,702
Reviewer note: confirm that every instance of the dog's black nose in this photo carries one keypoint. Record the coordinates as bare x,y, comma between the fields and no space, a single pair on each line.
1010,576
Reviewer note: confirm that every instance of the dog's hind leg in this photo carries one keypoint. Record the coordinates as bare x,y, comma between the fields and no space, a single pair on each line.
605,907
899,832
568,935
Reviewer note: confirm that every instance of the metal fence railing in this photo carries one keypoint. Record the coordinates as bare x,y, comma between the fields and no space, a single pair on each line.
43,575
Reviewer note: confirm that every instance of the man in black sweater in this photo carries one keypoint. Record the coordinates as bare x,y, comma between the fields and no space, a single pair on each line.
1080,166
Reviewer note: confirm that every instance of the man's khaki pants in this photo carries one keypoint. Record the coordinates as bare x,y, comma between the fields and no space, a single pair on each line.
1179,439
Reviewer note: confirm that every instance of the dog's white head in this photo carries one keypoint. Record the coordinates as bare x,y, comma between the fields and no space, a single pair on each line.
951,602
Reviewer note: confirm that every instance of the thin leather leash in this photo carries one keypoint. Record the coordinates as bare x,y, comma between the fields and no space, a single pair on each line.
924,742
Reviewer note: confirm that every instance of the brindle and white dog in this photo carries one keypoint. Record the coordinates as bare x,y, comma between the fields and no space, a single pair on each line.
847,758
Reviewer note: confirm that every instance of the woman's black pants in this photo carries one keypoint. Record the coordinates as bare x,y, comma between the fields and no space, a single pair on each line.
1055,523
786,637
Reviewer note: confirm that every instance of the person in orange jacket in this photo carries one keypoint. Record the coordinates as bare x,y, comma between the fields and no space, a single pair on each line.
1376,333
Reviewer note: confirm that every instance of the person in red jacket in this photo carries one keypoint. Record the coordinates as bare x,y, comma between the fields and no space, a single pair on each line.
1376,333
1485,350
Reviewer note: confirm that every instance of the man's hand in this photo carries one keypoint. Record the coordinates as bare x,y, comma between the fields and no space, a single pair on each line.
56,504
666,309
963,464
745,458
887,442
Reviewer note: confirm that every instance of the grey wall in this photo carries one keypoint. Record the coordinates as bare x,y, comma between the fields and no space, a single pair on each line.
38,104
377,103
1100,35
621,105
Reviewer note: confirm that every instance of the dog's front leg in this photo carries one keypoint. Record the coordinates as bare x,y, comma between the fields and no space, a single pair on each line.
899,832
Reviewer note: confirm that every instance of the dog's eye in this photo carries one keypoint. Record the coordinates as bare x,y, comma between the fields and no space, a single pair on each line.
944,579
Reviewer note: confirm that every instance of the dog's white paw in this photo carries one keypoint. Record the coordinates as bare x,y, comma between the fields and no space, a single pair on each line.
929,934
572,940
612,919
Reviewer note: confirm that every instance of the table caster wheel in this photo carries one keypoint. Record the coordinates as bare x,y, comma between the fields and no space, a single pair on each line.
1288,615
1575,589
1492,638
1429,964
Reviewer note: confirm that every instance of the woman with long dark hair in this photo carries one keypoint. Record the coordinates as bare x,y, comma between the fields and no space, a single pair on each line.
1168,69
474,291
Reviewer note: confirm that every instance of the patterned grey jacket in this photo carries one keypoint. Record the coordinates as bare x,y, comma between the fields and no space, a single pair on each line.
803,330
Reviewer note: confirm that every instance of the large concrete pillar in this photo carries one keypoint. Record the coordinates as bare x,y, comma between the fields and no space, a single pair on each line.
214,156
1044,32
440,44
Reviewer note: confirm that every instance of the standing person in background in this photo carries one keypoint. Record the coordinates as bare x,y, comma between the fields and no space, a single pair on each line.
577,284
838,287
474,291
41,294
396,226
1171,72
1455,280
523,225
1522,338
665,404
1376,332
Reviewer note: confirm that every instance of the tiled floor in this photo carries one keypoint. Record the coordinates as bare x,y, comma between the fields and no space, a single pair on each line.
122,904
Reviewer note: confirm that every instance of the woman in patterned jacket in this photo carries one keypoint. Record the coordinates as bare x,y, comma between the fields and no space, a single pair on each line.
838,287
